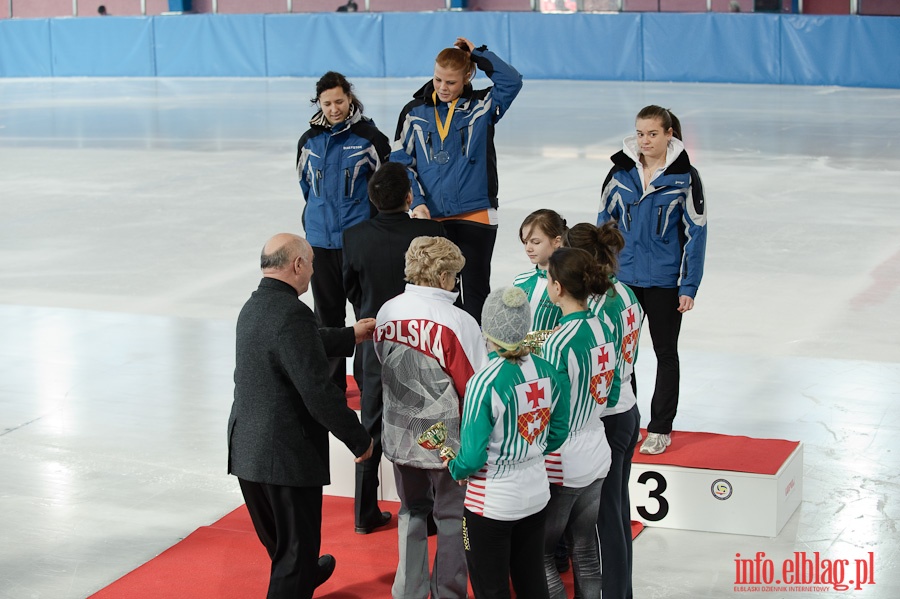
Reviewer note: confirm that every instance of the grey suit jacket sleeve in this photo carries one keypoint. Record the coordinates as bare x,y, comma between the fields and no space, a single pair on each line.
302,352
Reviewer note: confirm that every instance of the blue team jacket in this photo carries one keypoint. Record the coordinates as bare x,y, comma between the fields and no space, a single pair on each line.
664,228
468,181
334,165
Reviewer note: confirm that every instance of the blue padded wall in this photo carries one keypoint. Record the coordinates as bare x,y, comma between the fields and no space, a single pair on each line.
412,40
102,47
25,48
735,48
851,51
593,47
311,46
702,47
210,46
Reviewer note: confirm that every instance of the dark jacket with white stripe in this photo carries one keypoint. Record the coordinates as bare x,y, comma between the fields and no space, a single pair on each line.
664,227
334,165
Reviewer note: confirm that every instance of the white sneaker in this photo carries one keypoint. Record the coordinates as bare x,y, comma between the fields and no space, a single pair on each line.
640,436
656,443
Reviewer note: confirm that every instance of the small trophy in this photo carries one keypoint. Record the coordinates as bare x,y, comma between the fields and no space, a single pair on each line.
434,437
534,340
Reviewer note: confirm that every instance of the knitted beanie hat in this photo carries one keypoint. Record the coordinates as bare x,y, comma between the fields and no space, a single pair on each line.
506,317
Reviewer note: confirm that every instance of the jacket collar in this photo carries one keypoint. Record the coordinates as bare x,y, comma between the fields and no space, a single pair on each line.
677,160
276,285
433,293
320,122
392,216
426,91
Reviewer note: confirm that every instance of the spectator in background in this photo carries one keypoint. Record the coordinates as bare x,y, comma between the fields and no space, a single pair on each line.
101,10
351,6
370,279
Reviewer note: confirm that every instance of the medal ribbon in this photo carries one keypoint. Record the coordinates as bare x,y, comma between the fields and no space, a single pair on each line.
443,128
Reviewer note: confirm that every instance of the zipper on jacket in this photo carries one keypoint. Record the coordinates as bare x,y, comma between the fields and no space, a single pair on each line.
430,149
346,182
462,140
659,220
628,217
318,182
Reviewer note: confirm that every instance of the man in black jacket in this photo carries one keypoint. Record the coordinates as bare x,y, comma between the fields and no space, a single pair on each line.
285,404
374,264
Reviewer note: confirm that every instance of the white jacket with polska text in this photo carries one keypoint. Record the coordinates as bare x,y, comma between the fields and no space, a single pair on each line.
429,349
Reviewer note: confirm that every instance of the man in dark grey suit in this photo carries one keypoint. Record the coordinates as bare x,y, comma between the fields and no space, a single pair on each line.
374,264
285,404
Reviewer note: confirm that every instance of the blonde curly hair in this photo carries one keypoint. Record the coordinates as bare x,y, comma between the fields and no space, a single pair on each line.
428,257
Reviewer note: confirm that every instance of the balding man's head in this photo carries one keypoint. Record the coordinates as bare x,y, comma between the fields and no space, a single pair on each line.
288,258
281,250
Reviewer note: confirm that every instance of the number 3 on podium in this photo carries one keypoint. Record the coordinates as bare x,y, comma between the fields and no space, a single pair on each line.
655,493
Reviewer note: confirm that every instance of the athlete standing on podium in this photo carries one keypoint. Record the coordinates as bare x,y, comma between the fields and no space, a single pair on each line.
656,198
445,136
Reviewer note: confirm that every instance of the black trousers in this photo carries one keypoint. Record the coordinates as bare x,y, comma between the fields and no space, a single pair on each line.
288,522
366,510
330,302
476,242
614,521
498,550
660,305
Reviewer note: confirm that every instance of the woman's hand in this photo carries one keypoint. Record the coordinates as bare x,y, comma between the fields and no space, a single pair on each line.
464,44
685,303
421,211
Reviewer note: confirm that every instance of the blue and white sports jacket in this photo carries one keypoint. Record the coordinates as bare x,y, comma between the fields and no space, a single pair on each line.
664,227
334,165
468,181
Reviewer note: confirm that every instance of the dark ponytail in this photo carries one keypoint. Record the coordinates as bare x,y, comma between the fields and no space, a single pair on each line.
604,243
578,273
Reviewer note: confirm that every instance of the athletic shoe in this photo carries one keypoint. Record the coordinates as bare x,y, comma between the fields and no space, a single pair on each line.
640,436
326,569
656,443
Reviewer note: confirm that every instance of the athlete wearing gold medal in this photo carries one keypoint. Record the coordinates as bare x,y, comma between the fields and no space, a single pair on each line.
445,137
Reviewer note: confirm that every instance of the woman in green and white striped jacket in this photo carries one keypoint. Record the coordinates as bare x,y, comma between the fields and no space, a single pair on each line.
541,233
583,348
516,410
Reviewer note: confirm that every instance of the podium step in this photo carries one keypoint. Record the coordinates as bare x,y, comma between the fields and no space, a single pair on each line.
718,483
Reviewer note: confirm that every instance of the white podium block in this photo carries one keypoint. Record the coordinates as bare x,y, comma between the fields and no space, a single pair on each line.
727,501
343,474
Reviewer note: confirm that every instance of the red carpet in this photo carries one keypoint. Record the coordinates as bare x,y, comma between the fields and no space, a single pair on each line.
352,393
226,561
721,452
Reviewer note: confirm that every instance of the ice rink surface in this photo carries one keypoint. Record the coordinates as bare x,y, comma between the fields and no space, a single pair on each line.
132,213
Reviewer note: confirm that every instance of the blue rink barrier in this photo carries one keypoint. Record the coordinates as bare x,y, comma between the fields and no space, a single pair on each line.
692,47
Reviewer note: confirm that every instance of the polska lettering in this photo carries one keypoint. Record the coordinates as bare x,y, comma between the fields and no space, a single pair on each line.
423,335
804,569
